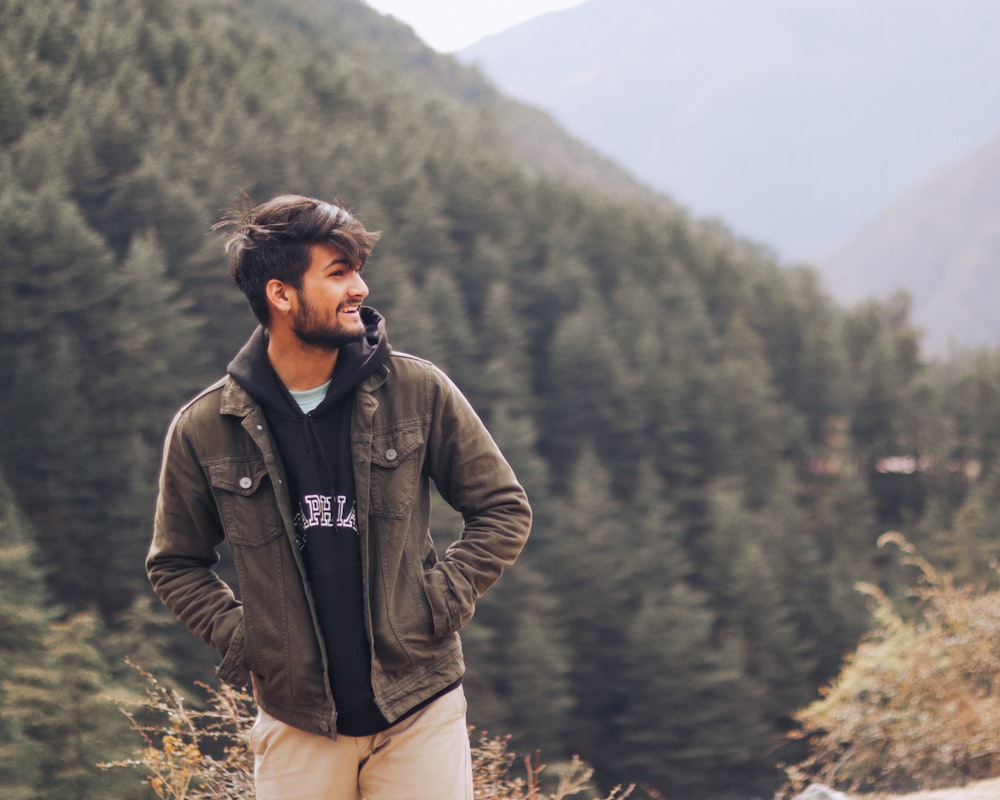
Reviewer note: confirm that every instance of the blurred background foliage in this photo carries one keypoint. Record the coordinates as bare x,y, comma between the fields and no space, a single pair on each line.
711,444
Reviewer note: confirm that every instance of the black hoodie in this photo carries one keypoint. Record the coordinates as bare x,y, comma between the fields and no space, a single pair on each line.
315,449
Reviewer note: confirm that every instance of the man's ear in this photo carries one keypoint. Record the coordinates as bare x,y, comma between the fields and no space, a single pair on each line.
279,296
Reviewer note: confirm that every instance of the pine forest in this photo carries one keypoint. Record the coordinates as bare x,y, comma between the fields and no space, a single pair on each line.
712,446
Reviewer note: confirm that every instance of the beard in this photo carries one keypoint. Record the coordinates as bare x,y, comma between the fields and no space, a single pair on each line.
320,334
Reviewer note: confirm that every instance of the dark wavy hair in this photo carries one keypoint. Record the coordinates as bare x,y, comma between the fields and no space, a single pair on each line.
272,241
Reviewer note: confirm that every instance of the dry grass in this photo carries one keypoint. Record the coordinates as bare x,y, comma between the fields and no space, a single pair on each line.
202,754
917,706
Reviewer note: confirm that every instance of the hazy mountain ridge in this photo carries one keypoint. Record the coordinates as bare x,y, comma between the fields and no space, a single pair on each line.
940,240
772,116
796,126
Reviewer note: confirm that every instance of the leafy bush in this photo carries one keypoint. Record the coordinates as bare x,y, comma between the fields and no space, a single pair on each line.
917,706
192,754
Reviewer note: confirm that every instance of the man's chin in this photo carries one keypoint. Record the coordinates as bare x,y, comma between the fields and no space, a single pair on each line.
330,339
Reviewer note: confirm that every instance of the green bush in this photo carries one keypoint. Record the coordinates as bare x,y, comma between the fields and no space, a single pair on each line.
917,706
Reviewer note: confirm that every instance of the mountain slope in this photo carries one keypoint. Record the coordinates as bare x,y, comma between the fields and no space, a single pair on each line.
534,139
793,121
941,242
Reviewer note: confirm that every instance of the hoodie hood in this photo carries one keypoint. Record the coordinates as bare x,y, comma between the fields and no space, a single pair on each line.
252,369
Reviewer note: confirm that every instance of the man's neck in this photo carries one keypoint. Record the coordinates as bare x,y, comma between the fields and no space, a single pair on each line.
299,366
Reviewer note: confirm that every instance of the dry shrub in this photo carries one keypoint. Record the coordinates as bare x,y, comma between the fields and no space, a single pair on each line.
917,706
493,778
203,754
192,754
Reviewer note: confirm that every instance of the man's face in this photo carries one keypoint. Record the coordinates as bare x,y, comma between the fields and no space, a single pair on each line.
328,313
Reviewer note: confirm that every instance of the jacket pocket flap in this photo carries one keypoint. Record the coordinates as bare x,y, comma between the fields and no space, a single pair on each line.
389,450
242,477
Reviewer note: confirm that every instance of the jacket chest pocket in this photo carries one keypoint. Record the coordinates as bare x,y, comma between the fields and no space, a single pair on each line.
397,458
246,501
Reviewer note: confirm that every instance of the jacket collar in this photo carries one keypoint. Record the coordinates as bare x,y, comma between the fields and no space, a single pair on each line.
236,401
252,382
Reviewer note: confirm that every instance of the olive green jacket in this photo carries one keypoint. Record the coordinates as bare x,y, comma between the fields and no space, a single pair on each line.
222,480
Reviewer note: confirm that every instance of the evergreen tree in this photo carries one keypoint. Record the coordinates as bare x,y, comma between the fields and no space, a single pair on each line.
815,381
763,579
62,702
591,573
974,405
455,342
13,111
506,372
410,324
579,390
519,663
969,549
52,332
692,705
842,524
146,635
692,726
752,427
23,623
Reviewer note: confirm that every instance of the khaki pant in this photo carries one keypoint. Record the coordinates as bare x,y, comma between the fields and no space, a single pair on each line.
424,757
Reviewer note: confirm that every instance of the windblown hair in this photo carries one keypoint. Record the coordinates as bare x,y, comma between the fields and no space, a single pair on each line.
272,241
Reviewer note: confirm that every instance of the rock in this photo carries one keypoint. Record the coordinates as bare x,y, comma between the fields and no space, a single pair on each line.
820,792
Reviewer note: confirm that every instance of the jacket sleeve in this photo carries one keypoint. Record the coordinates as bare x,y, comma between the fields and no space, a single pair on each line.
182,555
473,476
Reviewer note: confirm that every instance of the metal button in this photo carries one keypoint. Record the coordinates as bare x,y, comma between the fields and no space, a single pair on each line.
391,454
246,482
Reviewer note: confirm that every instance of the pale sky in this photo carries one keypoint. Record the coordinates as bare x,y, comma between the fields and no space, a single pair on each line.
450,25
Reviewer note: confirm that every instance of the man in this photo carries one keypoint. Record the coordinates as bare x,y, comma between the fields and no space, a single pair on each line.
313,459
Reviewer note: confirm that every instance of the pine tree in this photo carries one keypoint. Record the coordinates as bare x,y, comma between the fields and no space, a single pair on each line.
507,373
691,724
839,519
13,110
64,699
23,623
579,390
52,332
885,367
752,428
519,663
969,549
591,578
456,346
693,702
410,324
763,579
974,405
